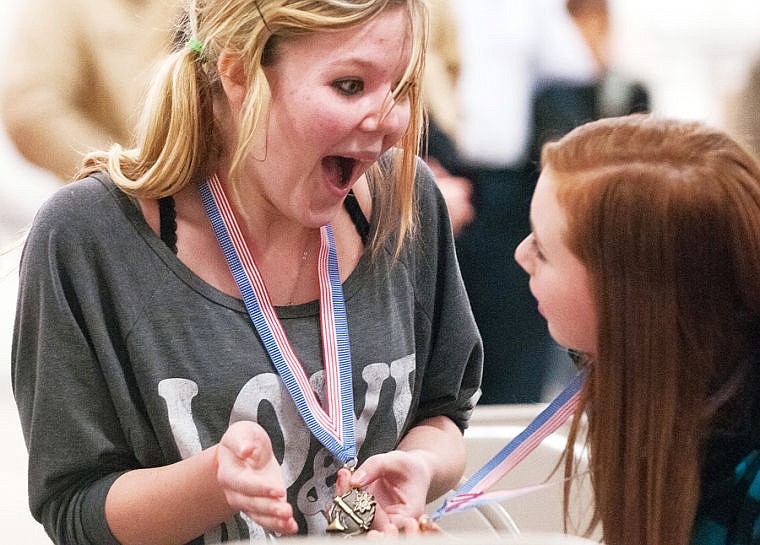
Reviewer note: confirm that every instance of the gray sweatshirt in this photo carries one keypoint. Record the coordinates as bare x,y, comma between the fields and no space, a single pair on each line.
123,358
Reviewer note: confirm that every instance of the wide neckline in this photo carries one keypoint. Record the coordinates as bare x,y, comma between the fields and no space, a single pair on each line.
131,209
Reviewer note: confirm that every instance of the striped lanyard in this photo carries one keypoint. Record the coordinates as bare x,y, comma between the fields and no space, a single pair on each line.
333,427
475,490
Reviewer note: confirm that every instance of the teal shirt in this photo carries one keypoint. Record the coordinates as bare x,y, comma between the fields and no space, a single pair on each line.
735,521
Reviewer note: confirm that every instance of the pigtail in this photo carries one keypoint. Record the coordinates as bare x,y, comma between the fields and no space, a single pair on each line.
178,142
174,141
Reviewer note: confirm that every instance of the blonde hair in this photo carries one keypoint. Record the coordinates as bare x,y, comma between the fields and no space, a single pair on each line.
177,141
665,215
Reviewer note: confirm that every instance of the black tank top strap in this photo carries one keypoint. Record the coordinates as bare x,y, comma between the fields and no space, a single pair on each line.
357,216
168,220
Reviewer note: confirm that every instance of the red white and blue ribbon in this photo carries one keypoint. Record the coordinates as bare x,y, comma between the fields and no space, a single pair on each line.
475,490
333,426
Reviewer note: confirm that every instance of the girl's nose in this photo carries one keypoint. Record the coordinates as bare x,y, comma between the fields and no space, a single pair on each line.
522,255
390,117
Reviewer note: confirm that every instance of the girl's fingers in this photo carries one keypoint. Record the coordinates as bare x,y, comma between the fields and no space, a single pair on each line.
262,506
405,525
343,484
277,524
271,514
252,480
248,484
254,488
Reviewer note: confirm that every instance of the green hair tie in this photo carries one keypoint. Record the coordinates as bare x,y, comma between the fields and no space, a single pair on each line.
196,45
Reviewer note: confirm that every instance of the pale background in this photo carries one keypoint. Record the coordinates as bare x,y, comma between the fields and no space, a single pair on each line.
692,54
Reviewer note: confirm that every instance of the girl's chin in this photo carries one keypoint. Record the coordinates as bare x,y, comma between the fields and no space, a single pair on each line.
323,213
557,336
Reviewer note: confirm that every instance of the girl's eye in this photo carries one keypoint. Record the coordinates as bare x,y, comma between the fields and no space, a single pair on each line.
536,250
349,87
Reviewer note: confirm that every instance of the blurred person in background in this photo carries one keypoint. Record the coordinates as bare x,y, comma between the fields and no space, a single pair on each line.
442,69
561,105
76,73
509,48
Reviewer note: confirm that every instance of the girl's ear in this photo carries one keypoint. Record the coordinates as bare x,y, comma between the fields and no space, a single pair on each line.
232,76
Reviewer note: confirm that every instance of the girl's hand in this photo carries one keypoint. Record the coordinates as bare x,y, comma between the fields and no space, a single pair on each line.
399,481
251,478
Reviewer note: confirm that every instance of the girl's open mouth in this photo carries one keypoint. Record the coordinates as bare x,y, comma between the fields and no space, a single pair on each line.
339,169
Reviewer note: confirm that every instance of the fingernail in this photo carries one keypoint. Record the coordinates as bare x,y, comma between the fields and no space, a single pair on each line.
359,476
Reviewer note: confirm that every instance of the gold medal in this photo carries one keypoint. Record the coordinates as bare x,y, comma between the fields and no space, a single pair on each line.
352,513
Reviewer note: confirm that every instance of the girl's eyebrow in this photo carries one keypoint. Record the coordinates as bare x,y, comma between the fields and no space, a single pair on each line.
536,240
353,61
533,231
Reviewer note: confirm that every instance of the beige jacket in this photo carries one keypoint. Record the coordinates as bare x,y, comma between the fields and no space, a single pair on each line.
75,74
442,67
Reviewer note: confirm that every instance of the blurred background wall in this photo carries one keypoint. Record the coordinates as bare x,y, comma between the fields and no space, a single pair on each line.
693,54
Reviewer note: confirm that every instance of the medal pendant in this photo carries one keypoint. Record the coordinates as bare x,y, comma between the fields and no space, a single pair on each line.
352,513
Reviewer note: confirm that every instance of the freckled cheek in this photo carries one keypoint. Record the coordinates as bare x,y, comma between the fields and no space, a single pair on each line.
316,121
323,128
